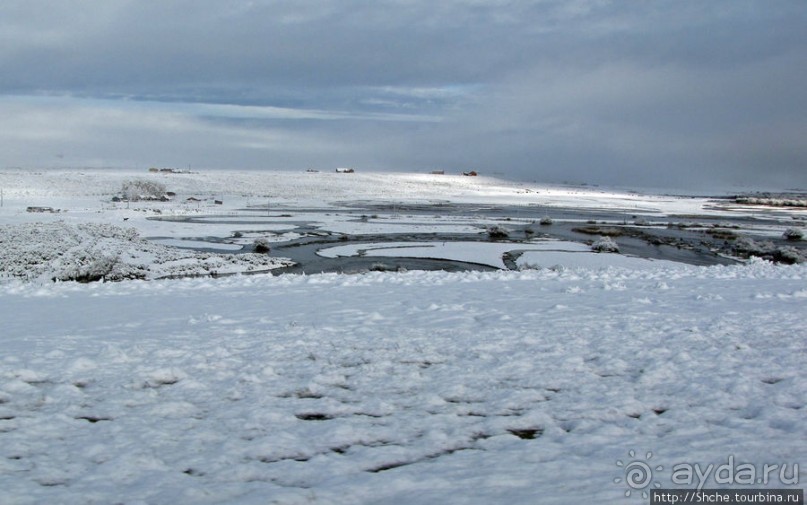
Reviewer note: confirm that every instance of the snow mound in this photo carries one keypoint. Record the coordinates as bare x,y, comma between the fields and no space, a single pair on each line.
88,252
605,244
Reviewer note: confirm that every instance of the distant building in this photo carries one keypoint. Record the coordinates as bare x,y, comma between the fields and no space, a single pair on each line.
472,173
169,170
344,170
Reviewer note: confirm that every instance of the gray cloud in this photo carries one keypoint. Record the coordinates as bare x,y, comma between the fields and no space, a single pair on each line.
664,93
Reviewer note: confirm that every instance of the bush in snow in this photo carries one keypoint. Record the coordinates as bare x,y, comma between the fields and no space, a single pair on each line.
793,234
771,201
746,247
546,221
605,244
261,245
749,246
141,189
497,233
789,256
88,252
107,268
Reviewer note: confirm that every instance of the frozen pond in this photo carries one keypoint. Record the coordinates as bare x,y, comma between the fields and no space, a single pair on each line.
358,236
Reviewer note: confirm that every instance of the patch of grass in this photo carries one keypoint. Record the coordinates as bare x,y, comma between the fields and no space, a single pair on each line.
722,234
600,230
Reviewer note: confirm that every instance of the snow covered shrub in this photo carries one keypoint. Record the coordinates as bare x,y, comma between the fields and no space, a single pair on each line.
529,266
497,233
605,244
788,255
141,189
749,246
546,221
93,269
793,234
746,248
262,245
771,201
61,251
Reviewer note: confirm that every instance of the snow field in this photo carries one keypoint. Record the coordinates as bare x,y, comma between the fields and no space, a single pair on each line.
419,387
53,187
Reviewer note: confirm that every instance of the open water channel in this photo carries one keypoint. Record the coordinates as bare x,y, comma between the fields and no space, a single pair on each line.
697,240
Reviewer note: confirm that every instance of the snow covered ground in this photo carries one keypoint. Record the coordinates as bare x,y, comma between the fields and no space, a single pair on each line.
59,250
545,385
79,190
419,387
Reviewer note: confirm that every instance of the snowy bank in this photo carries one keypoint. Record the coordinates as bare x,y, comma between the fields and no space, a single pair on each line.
88,252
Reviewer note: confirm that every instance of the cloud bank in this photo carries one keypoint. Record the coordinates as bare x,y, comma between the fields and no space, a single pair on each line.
684,94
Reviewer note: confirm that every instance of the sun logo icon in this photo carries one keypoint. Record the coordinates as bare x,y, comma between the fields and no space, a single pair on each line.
638,474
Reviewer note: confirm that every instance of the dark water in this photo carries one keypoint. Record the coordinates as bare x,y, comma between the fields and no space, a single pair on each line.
674,238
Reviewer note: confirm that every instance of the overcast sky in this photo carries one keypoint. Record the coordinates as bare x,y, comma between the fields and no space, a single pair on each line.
690,94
